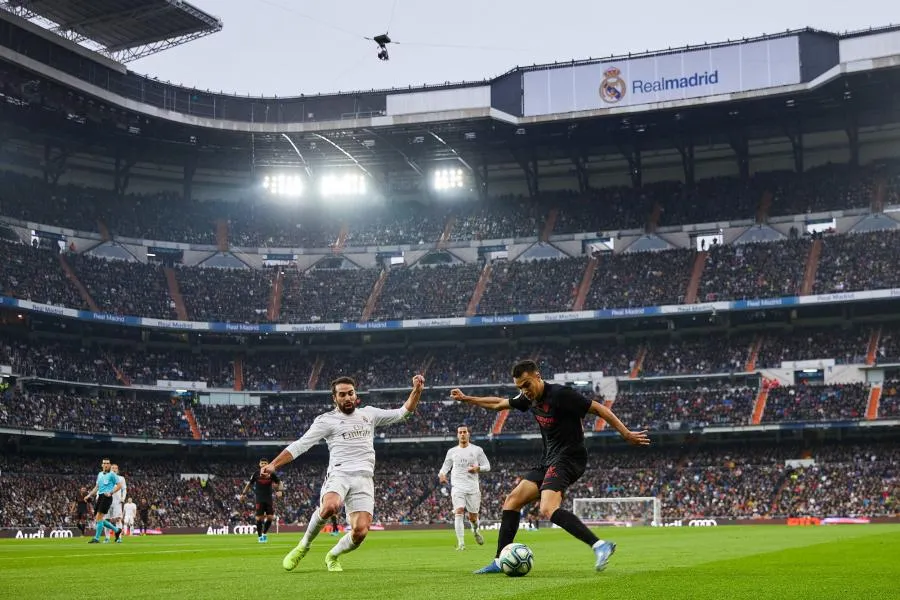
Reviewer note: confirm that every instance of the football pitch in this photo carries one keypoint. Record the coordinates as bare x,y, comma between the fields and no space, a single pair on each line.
752,562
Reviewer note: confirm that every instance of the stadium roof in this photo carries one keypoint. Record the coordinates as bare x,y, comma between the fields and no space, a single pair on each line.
124,30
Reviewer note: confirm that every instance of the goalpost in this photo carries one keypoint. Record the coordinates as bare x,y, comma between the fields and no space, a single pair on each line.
619,512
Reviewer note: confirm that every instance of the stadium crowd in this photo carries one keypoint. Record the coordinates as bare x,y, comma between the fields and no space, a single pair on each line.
859,261
125,288
438,291
807,402
445,364
623,280
640,279
547,285
729,482
669,407
108,414
845,346
889,406
229,295
750,271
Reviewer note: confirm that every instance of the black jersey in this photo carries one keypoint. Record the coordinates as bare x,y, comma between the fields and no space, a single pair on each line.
560,414
262,486
81,505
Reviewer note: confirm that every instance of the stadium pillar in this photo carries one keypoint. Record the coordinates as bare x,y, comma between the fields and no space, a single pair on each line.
686,150
54,162
190,168
122,174
480,174
853,139
795,135
530,167
584,178
741,146
632,154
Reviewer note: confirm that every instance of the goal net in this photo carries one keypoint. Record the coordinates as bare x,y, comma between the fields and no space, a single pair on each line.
619,512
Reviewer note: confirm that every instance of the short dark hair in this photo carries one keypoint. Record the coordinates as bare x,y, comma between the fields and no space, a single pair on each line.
463,426
524,366
339,381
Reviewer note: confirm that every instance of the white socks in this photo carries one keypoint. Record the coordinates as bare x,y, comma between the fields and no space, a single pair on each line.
459,526
344,545
316,523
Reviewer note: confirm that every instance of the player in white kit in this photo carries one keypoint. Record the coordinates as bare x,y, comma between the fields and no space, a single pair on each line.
464,462
118,499
349,432
130,511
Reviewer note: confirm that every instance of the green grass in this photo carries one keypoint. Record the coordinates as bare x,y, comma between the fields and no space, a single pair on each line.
718,563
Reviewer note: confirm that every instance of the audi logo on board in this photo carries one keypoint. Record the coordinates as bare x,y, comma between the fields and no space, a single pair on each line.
693,523
236,530
61,533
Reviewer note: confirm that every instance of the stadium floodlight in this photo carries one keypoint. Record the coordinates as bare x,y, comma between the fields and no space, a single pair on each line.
448,179
283,184
346,184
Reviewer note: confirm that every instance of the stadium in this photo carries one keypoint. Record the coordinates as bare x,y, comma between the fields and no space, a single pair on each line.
702,239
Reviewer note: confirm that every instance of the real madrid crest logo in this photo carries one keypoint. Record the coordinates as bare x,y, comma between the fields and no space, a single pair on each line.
613,87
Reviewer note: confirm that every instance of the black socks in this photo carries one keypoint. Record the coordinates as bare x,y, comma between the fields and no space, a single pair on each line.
509,526
572,524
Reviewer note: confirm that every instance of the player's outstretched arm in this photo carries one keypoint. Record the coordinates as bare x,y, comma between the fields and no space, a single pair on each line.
638,438
415,395
316,432
488,402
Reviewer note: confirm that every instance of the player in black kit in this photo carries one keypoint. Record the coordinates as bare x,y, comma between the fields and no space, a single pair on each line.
144,515
262,488
559,412
81,509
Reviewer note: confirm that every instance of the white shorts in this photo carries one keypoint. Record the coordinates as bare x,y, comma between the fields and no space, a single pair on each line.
129,521
471,501
357,492
115,510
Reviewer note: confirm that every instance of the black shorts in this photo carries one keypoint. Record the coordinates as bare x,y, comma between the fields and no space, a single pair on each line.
264,508
144,516
102,505
81,511
558,475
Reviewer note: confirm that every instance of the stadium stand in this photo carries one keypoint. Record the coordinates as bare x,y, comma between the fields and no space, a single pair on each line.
696,378
729,482
426,292
763,270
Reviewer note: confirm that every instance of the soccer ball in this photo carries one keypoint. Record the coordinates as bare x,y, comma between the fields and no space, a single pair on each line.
516,560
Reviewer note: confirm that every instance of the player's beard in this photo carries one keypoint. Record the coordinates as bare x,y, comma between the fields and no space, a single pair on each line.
347,407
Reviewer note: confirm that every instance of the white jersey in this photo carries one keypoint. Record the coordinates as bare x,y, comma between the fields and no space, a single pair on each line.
130,510
119,497
457,464
350,438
